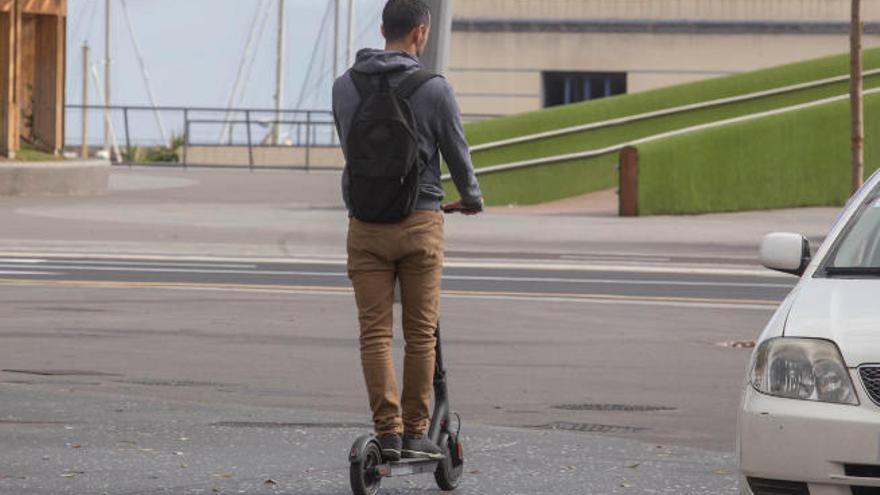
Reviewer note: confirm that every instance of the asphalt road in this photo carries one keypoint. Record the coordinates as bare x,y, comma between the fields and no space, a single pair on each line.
569,381
586,353
634,284
642,352
84,443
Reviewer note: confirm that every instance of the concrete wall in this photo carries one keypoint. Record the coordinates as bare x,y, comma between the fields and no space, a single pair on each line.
266,156
59,178
498,69
500,73
802,10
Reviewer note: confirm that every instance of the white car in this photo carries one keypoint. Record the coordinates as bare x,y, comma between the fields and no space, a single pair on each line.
809,421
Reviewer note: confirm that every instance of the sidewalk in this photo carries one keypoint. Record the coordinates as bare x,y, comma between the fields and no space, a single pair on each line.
81,442
276,214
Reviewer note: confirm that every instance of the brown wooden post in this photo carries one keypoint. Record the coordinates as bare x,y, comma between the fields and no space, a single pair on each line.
10,67
49,82
629,182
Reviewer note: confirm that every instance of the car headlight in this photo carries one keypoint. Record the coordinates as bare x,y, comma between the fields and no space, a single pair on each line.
806,369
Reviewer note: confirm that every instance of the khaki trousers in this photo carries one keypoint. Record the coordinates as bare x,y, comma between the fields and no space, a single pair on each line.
410,251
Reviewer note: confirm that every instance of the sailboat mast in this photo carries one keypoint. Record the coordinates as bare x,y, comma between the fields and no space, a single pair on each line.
108,31
350,48
335,39
279,75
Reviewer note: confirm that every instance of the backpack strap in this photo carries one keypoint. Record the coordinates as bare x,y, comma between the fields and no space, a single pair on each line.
413,82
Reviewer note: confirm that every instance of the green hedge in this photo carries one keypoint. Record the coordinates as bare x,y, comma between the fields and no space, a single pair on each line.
558,181
799,158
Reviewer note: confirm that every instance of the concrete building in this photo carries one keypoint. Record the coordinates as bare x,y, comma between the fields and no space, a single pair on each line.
511,56
32,37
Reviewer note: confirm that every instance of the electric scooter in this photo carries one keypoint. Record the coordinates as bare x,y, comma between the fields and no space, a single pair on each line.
368,467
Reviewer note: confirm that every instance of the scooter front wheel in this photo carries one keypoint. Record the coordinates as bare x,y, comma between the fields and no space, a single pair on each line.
449,470
365,479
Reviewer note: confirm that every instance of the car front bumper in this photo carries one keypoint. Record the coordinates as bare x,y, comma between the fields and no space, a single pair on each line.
811,442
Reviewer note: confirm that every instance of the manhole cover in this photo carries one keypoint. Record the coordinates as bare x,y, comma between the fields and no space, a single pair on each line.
588,427
283,425
60,372
612,407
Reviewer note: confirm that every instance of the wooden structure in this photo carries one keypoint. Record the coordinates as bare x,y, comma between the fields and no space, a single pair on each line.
628,194
32,53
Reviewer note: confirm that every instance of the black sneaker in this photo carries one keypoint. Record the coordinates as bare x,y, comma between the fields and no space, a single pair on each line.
420,448
390,445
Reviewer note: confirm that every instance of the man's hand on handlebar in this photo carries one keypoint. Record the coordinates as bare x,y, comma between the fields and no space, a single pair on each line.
458,207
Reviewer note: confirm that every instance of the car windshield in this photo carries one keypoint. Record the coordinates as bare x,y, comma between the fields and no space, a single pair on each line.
859,246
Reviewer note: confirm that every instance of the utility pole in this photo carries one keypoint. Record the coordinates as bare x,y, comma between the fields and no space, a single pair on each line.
335,39
349,51
107,61
279,75
84,145
436,54
857,109
333,135
107,121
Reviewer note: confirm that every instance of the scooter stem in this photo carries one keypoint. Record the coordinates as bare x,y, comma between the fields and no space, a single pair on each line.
440,418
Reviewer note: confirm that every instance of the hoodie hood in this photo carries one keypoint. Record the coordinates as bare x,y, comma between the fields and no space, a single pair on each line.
374,61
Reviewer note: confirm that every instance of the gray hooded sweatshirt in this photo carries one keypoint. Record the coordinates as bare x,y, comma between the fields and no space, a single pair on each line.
437,118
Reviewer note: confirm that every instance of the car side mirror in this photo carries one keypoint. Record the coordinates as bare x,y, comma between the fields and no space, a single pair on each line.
786,252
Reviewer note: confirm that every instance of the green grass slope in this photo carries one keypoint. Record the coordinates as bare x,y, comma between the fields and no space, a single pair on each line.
793,159
560,180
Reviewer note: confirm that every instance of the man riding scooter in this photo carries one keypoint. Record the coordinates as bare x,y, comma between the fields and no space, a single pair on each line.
395,120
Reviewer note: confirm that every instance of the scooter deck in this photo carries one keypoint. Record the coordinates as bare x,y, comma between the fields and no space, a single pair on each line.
406,467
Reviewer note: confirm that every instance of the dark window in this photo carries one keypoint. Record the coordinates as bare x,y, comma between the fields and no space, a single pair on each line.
561,88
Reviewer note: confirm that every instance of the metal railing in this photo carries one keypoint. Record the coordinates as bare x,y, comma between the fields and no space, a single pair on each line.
146,134
135,127
306,133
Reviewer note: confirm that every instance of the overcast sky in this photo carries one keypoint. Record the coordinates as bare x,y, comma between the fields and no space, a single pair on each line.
192,49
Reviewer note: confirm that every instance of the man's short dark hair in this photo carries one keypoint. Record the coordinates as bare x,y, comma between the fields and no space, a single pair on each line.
400,17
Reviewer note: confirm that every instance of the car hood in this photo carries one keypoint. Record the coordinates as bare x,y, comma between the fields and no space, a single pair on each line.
846,311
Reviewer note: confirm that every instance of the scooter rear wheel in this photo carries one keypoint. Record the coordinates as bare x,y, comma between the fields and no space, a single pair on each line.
362,473
449,470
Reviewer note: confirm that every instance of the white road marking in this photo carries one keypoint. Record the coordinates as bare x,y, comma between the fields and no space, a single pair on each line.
469,296
127,263
545,264
613,281
475,278
16,272
158,269
670,269
610,258
672,304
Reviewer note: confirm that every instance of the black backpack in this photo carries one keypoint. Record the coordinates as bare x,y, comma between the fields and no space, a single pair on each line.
383,148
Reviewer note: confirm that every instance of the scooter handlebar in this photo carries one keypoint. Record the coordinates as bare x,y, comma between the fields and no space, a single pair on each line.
461,209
